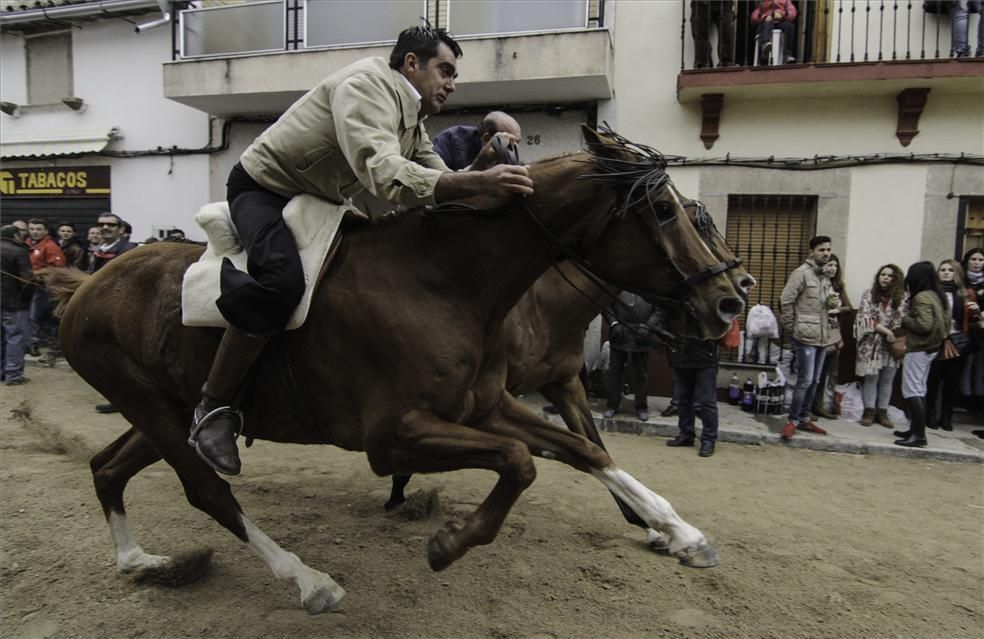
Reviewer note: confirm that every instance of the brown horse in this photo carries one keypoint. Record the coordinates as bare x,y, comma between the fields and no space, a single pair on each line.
543,337
402,345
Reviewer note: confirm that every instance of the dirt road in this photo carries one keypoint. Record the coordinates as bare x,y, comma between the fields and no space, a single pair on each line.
812,544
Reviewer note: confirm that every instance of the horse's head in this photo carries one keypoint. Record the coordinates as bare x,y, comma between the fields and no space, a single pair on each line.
658,245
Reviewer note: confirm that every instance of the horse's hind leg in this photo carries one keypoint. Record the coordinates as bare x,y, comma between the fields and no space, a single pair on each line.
112,468
546,440
397,491
572,404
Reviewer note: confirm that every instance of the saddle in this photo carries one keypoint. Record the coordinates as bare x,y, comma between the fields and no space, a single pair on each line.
316,224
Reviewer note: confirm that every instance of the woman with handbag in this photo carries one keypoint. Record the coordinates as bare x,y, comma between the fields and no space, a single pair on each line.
946,369
879,315
927,325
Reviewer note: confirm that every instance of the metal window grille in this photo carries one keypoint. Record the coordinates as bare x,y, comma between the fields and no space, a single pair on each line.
771,233
970,226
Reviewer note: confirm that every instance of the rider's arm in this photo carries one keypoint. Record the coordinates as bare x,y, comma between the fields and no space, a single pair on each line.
367,115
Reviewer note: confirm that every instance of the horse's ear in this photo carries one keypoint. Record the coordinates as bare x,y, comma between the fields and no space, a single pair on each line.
599,143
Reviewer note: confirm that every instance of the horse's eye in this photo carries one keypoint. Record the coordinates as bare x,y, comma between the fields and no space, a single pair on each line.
664,212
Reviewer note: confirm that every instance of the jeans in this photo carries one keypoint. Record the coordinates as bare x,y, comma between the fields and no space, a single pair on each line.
788,35
698,385
877,389
809,362
959,16
44,325
639,380
16,333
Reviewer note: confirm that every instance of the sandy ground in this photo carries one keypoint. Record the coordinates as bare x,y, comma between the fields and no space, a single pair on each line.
812,544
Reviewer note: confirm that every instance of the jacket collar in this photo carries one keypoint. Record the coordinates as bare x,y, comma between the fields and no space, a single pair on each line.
409,99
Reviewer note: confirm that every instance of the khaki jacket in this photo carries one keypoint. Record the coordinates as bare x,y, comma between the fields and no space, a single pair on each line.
804,305
358,129
928,323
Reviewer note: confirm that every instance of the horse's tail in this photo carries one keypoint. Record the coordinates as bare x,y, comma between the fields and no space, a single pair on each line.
61,284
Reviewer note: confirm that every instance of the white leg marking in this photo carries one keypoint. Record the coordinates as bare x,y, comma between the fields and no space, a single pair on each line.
129,555
319,592
654,510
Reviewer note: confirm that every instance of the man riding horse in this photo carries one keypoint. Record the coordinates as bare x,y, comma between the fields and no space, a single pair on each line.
362,127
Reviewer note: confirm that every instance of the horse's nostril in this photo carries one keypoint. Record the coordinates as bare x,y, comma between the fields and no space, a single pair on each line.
729,307
747,283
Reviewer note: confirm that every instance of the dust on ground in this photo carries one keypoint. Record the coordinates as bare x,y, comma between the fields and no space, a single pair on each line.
812,544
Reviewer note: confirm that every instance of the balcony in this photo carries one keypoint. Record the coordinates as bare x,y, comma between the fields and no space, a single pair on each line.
839,48
259,57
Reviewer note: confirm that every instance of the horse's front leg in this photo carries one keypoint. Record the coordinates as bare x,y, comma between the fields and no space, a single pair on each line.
427,444
546,440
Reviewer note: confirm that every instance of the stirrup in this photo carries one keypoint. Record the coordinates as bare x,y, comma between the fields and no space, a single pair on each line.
208,417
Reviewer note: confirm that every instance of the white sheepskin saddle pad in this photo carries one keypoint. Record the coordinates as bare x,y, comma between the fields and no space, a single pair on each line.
315,224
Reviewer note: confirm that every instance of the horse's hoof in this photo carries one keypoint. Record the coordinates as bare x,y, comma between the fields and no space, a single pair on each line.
438,556
392,504
323,598
703,556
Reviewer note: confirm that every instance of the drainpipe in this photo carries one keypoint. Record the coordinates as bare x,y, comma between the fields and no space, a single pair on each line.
164,19
86,10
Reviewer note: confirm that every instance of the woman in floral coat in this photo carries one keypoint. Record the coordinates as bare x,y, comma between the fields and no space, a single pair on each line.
881,311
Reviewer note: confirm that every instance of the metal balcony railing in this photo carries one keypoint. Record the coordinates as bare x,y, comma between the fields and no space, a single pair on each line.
249,27
825,31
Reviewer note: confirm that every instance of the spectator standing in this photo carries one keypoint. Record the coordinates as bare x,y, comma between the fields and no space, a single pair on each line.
70,245
960,11
630,335
175,235
113,242
775,14
459,145
16,291
94,239
837,304
927,325
881,311
943,383
804,316
722,14
695,367
45,252
972,379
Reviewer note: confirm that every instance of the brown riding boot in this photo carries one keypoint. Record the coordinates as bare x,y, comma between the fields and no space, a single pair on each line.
881,416
868,417
216,424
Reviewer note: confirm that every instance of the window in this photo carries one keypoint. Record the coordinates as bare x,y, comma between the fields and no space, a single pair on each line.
771,233
970,225
49,67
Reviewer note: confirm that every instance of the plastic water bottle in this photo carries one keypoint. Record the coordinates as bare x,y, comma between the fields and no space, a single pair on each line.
748,396
734,395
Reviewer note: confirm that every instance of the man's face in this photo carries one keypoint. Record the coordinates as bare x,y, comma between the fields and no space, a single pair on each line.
821,253
434,80
109,225
176,235
95,235
66,232
37,231
504,127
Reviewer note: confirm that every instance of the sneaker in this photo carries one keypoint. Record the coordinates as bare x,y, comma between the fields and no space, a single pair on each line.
669,411
608,414
17,381
811,427
34,351
788,430
643,415
106,409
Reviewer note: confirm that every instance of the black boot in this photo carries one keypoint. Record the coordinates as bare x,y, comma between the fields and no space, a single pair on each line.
946,416
216,424
917,424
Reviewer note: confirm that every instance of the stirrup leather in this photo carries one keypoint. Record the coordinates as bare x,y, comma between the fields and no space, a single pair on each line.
208,417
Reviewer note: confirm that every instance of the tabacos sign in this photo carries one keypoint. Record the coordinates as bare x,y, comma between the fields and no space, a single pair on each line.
69,181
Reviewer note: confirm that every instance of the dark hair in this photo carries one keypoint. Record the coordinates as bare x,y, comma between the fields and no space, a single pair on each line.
423,42
68,224
127,229
966,258
74,251
119,220
898,285
838,282
37,220
922,276
818,240
9,231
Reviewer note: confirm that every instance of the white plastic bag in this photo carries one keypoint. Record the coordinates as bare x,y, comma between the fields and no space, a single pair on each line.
761,322
852,405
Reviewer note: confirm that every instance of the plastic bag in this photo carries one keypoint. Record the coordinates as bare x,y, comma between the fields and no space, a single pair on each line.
761,322
852,405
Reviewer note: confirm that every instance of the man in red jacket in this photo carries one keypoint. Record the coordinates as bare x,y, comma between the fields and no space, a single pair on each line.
45,252
770,15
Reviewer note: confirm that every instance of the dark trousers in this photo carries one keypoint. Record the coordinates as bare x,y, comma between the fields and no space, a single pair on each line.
722,14
44,325
697,385
639,380
943,389
788,36
260,301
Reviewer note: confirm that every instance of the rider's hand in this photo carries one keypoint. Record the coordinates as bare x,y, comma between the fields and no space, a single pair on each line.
505,180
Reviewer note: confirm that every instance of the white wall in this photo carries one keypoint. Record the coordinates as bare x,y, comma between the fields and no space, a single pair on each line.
885,222
118,74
